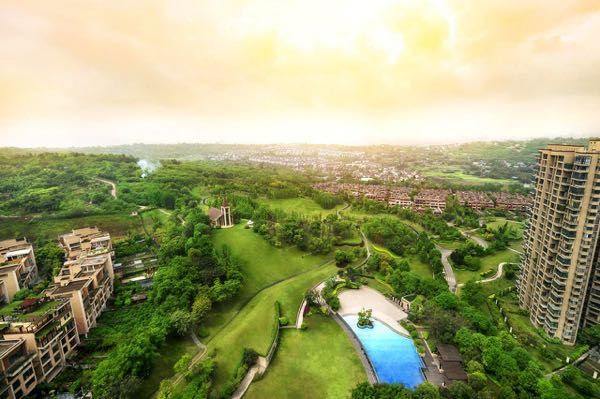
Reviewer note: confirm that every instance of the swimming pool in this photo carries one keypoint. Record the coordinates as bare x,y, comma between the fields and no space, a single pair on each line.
393,356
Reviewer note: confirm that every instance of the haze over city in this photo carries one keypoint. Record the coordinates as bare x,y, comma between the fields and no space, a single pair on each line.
402,72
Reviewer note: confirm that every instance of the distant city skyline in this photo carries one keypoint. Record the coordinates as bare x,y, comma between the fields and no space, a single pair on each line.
299,71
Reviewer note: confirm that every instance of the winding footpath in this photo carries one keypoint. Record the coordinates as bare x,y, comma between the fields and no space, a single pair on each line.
448,271
495,277
112,184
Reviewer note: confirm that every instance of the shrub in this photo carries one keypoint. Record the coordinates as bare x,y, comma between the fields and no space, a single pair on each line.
303,326
284,321
250,357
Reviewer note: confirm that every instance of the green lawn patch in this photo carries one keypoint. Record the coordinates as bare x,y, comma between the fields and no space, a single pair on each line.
305,206
162,366
416,265
319,362
253,326
118,225
487,262
261,264
456,175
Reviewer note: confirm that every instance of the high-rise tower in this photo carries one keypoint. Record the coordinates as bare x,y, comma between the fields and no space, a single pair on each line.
560,281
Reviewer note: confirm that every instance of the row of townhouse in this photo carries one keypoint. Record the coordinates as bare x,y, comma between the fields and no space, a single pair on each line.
37,335
434,199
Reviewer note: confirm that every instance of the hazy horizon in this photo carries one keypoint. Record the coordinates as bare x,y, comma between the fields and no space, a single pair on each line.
261,71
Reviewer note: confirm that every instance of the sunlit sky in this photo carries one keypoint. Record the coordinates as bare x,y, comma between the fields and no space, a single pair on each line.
104,72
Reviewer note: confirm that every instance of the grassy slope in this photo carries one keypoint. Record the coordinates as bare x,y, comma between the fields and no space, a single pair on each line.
119,225
262,264
232,329
319,362
162,366
487,262
253,326
305,206
416,265
456,175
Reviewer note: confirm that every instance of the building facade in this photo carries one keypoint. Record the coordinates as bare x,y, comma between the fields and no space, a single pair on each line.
18,268
221,217
36,337
87,277
560,281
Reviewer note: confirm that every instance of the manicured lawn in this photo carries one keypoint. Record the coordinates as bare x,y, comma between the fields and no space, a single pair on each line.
118,225
487,262
162,366
319,362
449,244
261,264
363,215
458,176
253,326
379,286
497,222
305,206
416,265
247,322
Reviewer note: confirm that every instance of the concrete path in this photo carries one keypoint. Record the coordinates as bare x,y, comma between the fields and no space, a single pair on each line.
353,301
364,237
496,276
259,368
475,238
515,251
580,359
168,213
448,271
113,186
432,371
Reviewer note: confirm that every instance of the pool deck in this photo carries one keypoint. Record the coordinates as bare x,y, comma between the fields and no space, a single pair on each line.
353,301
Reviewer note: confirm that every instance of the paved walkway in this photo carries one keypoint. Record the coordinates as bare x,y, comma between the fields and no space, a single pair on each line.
432,371
448,271
259,368
113,186
496,276
475,238
353,301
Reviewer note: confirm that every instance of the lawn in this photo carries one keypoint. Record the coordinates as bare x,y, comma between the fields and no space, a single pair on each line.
252,326
261,264
248,321
319,362
416,265
118,225
456,175
363,215
305,206
162,366
487,262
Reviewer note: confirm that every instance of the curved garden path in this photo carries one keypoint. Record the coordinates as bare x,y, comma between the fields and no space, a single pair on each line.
112,184
448,271
496,276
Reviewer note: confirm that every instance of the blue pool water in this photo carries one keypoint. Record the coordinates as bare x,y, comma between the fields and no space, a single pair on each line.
393,356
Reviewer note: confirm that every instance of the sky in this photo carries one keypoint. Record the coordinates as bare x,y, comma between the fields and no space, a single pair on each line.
107,72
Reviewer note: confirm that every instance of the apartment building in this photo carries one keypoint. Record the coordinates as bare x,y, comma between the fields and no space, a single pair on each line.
88,283
432,199
400,197
512,202
79,242
474,199
18,268
36,337
560,278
